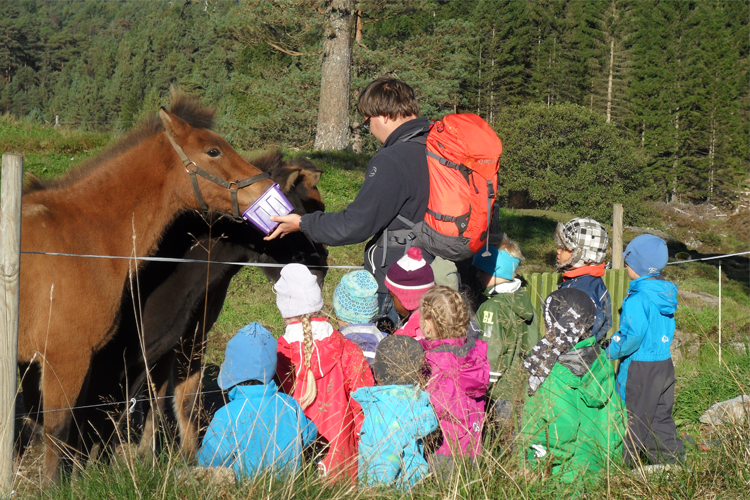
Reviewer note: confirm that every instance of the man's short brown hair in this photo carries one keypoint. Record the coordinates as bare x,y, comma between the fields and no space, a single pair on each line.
388,97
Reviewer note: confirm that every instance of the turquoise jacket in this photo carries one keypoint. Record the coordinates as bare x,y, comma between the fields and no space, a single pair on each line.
259,429
646,325
397,418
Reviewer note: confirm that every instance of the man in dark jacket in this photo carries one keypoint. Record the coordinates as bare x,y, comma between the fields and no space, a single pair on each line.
396,184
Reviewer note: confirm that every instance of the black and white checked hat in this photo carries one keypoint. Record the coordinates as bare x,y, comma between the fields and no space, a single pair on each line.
586,238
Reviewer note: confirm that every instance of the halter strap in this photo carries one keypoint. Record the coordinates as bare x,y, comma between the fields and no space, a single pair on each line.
232,186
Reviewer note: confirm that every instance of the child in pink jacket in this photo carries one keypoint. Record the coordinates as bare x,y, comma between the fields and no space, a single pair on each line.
458,372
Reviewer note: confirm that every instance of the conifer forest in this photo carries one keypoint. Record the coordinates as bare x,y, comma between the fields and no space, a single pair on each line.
668,78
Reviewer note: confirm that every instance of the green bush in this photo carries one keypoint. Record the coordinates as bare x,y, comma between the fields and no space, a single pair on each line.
568,159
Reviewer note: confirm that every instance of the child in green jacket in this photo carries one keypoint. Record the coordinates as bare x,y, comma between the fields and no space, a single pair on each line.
508,325
574,418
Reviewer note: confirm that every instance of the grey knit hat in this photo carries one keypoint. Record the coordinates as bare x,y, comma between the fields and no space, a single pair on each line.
586,238
297,292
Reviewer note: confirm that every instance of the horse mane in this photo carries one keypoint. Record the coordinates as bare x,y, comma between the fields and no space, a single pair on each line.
187,107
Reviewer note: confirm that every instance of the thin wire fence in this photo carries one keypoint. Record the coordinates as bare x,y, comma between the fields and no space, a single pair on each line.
133,401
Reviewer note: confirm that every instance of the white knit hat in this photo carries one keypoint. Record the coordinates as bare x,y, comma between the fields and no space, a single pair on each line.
297,292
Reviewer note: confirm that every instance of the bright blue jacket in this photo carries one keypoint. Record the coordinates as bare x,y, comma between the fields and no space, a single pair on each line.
595,288
258,429
646,325
397,417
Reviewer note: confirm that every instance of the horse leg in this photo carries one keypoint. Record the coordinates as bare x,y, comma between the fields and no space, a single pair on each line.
155,415
31,376
28,420
62,383
187,398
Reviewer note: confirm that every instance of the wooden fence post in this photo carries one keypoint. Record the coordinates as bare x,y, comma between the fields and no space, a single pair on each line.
617,262
10,263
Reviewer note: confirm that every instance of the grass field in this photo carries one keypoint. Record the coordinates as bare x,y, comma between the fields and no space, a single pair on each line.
721,471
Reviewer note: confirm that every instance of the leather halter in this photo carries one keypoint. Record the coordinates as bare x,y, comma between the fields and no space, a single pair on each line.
232,186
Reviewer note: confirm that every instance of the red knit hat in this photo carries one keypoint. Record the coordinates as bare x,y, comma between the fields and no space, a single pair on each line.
409,278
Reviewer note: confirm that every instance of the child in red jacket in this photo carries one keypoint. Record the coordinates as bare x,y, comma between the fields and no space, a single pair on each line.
320,369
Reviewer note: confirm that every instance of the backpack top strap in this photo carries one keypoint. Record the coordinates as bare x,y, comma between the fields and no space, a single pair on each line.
419,136
406,221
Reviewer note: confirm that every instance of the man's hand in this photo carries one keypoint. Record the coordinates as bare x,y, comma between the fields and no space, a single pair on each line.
289,224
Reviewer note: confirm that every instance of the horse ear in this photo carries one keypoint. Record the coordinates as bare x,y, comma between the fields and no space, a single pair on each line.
312,177
175,125
291,180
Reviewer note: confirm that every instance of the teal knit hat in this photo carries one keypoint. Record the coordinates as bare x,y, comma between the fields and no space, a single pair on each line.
356,297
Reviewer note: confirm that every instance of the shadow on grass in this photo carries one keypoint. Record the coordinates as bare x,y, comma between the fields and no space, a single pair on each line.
534,234
344,160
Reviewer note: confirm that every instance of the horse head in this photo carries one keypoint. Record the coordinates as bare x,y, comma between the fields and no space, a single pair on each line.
298,180
219,178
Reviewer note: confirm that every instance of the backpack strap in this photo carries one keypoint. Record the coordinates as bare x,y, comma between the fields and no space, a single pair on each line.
419,136
461,221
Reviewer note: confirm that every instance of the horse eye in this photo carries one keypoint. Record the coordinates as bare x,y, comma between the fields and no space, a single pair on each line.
213,153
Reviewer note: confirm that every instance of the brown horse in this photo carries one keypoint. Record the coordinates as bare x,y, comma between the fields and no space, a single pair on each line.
178,303
119,204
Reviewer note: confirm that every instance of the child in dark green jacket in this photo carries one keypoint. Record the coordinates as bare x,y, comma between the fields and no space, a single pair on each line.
508,324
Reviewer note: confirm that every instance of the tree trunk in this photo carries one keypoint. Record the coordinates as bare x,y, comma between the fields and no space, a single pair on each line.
609,84
479,84
676,154
711,156
335,77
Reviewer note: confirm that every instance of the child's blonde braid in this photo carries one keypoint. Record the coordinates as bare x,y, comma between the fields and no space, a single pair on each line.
311,391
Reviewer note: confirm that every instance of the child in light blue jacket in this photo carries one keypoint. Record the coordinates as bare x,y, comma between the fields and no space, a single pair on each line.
259,429
646,379
398,416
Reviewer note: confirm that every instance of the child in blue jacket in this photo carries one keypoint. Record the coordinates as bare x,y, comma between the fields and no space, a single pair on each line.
259,429
398,416
646,378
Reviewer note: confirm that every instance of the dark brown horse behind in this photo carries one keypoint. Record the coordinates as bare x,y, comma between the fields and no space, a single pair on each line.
120,205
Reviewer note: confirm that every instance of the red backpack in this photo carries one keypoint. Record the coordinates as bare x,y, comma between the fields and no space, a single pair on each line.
463,157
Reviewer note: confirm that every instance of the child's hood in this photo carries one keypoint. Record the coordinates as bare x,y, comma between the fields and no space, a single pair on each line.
662,293
327,352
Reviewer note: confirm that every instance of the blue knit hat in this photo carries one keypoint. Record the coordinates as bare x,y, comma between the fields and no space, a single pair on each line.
499,263
250,355
647,255
356,297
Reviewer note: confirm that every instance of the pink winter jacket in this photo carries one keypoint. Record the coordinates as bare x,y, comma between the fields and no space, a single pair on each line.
459,375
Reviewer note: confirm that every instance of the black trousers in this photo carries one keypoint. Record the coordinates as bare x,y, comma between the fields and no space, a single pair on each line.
649,398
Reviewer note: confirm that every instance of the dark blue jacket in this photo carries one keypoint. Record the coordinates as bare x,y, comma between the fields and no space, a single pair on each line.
594,287
397,182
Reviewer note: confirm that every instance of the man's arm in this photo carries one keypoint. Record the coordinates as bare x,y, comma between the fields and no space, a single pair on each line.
377,203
